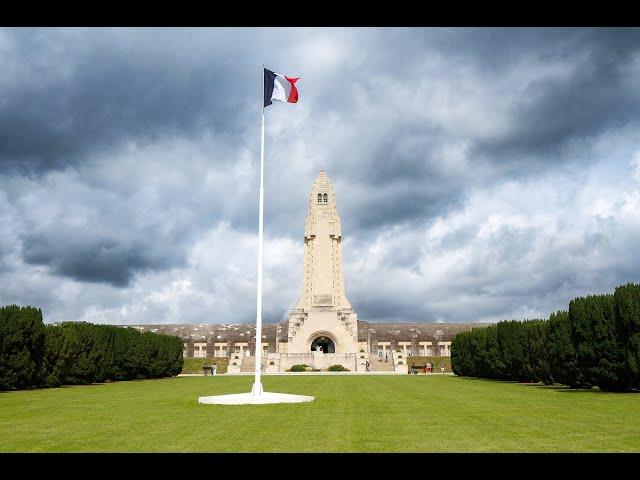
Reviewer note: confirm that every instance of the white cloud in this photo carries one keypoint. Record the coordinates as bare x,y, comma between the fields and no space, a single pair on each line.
480,175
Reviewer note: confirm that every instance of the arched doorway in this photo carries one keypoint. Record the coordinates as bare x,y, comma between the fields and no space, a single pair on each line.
323,343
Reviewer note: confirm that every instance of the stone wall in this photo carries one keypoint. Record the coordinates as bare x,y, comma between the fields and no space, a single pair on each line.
318,360
396,335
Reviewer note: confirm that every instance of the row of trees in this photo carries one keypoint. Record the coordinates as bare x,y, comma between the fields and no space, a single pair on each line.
33,354
595,343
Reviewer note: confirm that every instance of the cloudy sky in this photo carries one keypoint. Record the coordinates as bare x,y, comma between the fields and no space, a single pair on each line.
480,174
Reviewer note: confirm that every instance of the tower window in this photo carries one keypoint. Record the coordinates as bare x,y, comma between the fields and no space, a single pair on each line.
319,198
325,198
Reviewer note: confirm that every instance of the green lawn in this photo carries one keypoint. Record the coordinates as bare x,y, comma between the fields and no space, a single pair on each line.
434,361
194,365
404,413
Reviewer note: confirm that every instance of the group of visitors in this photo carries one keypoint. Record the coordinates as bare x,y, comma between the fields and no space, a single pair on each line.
428,368
431,368
384,355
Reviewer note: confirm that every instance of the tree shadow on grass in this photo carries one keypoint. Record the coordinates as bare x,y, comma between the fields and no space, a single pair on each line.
558,387
36,389
593,390
555,387
74,385
484,380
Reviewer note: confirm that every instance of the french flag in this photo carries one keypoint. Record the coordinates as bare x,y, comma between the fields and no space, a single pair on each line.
278,87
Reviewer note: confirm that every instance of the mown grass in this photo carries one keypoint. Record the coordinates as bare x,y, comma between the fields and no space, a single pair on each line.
434,361
404,413
194,365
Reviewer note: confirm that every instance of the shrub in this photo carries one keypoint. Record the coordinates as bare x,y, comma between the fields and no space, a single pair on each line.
60,347
627,324
22,339
600,357
538,359
298,368
461,360
512,345
494,362
400,363
337,368
79,352
234,363
361,356
399,356
596,342
104,352
562,355
272,362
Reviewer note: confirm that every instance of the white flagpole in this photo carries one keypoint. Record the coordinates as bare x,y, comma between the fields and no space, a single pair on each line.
257,395
257,384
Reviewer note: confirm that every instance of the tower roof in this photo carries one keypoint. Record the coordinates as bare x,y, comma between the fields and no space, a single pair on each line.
322,186
322,178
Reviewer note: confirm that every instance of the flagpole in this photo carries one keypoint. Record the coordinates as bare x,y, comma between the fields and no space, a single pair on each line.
256,391
257,395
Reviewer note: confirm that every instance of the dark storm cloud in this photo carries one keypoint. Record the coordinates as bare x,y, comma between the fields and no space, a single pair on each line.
593,91
136,142
118,90
94,259
378,308
411,203
599,93
111,93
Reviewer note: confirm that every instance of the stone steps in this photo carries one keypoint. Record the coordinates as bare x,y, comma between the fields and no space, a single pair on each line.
375,365
248,364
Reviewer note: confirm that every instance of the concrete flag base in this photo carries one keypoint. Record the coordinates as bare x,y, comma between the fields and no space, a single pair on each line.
250,399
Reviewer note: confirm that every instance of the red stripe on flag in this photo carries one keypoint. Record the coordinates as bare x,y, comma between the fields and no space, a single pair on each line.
293,95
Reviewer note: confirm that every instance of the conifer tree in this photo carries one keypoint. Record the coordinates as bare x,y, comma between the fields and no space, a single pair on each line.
562,354
21,347
538,356
627,319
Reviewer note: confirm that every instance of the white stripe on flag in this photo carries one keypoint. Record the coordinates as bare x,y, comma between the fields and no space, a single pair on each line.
281,88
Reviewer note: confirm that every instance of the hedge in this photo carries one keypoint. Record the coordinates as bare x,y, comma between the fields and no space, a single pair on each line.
596,342
33,354
22,340
627,318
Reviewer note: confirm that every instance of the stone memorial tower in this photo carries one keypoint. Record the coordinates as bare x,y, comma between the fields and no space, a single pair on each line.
323,319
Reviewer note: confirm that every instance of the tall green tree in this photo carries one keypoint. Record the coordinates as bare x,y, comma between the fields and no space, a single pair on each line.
627,324
512,342
538,358
593,334
460,358
22,337
562,354
61,348
494,361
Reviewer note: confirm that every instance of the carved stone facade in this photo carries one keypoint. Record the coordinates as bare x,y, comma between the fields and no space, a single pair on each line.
322,328
417,339
323,309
